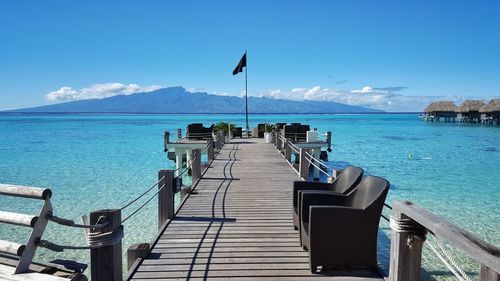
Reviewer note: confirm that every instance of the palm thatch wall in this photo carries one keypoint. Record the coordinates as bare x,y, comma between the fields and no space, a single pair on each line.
470,106
492,106
442,106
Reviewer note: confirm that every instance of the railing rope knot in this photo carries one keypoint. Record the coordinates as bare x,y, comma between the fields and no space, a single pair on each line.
409,226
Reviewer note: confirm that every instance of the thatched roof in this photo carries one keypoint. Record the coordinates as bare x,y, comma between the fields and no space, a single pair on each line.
470,106
442,106
491,106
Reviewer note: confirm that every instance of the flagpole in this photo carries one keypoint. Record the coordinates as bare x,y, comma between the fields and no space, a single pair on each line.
246,91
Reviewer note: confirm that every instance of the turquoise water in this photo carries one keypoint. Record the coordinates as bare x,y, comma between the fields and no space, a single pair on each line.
102,161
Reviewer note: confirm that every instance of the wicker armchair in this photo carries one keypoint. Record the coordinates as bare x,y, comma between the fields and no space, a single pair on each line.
344,183
341,230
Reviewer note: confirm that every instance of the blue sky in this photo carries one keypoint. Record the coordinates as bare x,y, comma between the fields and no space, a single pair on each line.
393,55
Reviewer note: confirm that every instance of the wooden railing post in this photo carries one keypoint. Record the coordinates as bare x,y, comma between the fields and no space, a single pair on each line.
106,262
303,164
288,151
488,274
210,150
406,251
196,166
280,142
165,196
137,251
166,140
329,140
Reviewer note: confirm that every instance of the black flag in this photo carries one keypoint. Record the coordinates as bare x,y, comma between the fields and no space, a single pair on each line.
241,64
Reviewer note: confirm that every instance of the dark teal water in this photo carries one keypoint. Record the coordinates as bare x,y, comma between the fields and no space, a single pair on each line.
102,161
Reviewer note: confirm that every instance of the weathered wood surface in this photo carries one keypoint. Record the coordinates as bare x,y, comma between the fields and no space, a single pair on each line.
485,253
57,273
237,225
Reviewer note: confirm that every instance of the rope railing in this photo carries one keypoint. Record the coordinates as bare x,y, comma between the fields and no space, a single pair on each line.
71,223
294,148
319,162
316,166
140,196
94,241
144,204
445,257
188,166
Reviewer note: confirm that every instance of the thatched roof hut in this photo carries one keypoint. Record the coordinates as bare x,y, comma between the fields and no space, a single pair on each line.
469,106
442,106
492,106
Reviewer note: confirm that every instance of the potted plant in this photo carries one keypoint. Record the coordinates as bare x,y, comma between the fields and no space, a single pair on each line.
269,133
224,127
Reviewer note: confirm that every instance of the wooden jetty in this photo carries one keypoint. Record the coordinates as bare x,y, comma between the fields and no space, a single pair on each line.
234,222
237,225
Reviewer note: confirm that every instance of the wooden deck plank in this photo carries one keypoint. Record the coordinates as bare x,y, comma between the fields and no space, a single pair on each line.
237,225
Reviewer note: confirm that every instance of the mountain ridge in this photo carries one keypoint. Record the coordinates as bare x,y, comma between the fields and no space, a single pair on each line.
178,100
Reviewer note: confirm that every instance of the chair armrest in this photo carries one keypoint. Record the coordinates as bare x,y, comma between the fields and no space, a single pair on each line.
313,197
307,185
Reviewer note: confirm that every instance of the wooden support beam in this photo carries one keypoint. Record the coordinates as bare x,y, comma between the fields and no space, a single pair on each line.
137,251
210,150
288,151
487,274
482,251
196,166
303,164
165,196
106,262
166,140
406,253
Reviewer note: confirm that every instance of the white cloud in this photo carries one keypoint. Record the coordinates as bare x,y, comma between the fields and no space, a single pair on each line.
387,98
98,91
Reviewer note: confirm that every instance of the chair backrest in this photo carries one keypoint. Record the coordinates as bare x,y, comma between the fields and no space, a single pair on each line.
371,191
279,126
302,132
348,180
290,131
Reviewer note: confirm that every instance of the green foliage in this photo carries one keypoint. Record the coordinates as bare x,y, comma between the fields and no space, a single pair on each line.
223,127
270,128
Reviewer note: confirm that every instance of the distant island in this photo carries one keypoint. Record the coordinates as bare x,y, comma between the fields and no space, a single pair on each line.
178,100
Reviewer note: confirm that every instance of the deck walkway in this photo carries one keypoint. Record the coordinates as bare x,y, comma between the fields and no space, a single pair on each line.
237,225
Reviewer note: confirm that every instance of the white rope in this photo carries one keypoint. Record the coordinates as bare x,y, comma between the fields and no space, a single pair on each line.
413,228
312,163
94,240
296,149
187,167
319,162
447,259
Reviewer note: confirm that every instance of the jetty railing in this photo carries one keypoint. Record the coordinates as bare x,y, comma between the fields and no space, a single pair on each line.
103,228
410,224
25,252
303,158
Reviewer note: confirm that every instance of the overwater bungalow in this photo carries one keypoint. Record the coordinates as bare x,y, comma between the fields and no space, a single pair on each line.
468,111
441,111
490,112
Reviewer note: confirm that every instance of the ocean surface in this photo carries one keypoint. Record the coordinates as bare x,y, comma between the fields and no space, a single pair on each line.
103,161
